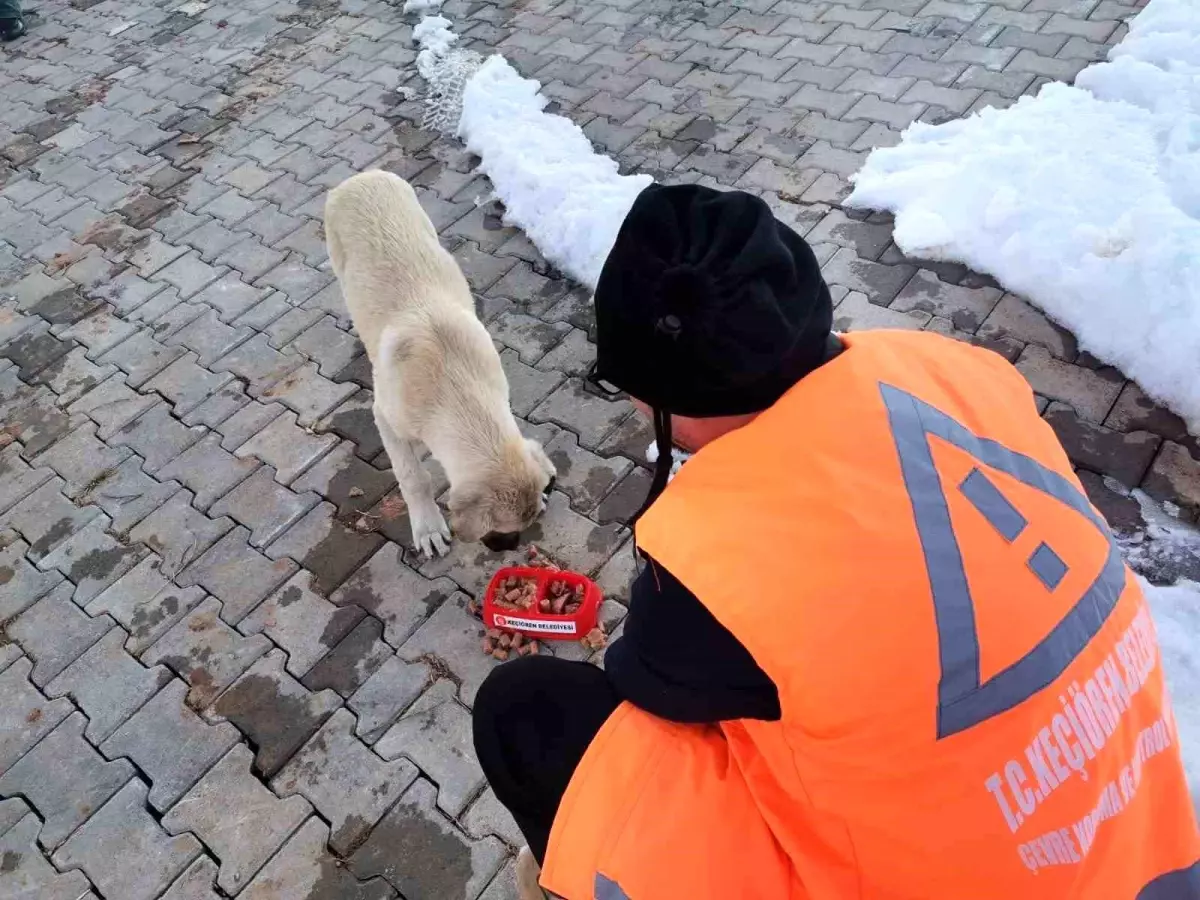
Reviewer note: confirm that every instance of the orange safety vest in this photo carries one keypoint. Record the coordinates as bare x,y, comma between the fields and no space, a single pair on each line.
972,695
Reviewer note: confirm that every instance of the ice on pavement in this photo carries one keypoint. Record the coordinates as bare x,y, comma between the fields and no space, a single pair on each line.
1084,199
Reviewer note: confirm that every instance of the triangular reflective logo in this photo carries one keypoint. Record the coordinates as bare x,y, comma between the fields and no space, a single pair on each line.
963,699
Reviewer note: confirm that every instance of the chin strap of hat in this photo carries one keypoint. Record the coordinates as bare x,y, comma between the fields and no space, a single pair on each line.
662,466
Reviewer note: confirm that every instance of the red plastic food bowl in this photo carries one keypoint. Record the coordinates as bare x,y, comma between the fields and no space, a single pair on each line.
534,622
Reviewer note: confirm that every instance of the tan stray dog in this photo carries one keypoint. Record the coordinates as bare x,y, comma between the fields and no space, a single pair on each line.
438,379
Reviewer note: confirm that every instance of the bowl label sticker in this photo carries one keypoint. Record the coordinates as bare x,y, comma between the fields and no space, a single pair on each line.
518,624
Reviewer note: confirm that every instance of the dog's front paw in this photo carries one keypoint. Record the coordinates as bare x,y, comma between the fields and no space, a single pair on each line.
431,534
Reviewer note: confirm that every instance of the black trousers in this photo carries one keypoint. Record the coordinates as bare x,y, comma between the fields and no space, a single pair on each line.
533,719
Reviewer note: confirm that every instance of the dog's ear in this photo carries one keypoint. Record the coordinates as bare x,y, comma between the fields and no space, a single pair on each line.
470,513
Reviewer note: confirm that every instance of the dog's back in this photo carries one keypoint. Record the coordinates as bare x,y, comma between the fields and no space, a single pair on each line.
385,252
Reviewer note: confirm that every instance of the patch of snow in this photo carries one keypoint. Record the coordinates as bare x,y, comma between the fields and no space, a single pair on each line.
567,198
435,38
678,458
421,5
1084,199
1176,613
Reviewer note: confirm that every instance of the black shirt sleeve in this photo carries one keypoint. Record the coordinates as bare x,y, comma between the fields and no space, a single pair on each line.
678,662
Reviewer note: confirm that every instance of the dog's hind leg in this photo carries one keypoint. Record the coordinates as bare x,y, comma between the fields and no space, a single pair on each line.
431,534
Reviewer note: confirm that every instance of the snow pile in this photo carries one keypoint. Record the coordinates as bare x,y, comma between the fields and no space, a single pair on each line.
1176,613
421,5
1085,199
567,198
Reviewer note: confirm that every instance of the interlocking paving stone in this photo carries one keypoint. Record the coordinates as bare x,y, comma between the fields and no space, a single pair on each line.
23,583
178,532
208,337
237,574
302,622
259,364
390,690
81,458
391,591
1123,456
452,634
127,494
305,868
356,658
856,313
208,470
587,414
243,418
124,851
12,811
145,602
34,419
1091,392
967,308
355,421
435,732
1014,317
108,684
582,475
205,652
26,873
423,855
25,715
309,394
276,712
346,782
880,283
93,559
111,405
264,505
65,779
196,883
157,437
488,815
17,478
235,815
170,743
287,448
54,632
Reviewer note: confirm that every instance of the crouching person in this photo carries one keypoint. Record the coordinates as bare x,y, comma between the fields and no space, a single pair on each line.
882,645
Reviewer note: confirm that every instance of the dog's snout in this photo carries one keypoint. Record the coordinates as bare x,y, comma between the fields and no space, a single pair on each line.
549,486
499,541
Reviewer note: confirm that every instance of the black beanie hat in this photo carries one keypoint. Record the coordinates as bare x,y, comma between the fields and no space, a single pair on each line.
707,305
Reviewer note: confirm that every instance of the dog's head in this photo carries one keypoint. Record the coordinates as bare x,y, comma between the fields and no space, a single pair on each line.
495,506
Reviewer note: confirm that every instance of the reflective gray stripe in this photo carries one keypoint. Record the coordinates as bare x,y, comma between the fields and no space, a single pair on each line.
1182,884
962,700
958,645
607,889
994,506
1048,566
